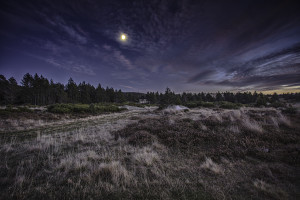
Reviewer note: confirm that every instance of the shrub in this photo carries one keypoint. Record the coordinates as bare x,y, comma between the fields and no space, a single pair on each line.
59,108
10,109
136,104
277,104
80,108
208,104
191,104
261,101
92,108
24,109
290,110
229,105
4,112
83,108
195,104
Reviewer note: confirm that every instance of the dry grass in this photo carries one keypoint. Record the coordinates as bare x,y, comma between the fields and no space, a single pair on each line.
146,156
200,154
212,166
32,121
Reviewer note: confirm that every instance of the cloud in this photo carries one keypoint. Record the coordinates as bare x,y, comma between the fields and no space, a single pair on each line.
78,68
200,76
260,81
126,86
73,31
115,57
281,67
264,82
123,60
107,47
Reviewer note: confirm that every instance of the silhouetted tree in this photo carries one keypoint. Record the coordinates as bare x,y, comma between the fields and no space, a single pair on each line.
261,100
72,91
219,97
274,97
100,94
39,91
110,93
12,90
3,89
209,97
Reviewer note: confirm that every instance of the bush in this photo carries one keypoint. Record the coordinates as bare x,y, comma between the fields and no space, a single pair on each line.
92,108
290,110
277,104
136,104
195,104
229,105
59,108
24,109
83,108
261,101
208,104
10,109
192,104
4,112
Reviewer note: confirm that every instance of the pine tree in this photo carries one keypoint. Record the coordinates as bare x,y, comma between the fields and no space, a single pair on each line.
219,97
72,91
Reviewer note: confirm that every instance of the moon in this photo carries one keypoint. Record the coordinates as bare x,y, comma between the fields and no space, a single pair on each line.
123,37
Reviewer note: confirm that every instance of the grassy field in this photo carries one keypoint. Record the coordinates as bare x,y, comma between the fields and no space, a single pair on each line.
145,153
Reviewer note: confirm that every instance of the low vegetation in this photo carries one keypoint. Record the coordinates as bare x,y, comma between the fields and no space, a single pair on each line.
11,109
83,108
195,146
245,153
196,104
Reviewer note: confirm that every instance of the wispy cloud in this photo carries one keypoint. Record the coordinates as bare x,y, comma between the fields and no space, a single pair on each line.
73,31
126,86
123,60
117,58
78,68
201,75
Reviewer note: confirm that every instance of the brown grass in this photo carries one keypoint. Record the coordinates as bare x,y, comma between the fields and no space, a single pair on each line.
202,154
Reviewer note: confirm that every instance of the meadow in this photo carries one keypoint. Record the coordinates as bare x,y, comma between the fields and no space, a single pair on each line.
150,153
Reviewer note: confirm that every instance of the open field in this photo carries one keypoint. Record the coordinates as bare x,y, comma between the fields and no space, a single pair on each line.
149,100
144,153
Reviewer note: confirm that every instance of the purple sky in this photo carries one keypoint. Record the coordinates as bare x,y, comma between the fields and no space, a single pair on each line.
186,45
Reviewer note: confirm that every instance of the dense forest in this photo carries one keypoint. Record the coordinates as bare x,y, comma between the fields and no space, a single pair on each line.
38,90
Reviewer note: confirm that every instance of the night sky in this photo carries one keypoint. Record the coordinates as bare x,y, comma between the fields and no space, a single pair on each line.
190,46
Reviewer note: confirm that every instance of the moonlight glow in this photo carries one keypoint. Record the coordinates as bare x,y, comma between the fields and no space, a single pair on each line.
123,37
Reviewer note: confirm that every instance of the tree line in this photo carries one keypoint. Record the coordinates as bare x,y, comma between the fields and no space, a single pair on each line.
38,90
258,99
